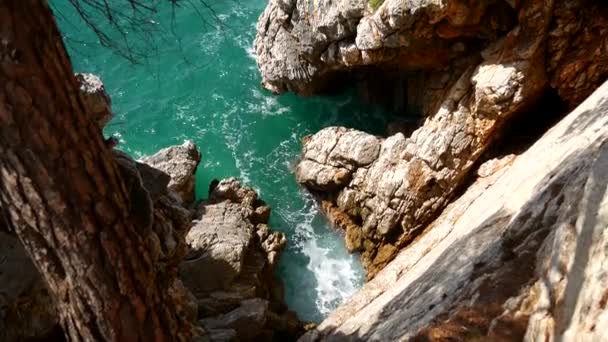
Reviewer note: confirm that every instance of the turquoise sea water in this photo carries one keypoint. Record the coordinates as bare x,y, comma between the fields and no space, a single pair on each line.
201,83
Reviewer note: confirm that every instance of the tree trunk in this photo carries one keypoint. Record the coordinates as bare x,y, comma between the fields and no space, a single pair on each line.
65,197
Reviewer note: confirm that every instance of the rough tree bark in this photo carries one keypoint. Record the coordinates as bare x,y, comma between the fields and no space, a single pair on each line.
65,197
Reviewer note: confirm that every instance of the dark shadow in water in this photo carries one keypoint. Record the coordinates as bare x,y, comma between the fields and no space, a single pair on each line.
348,108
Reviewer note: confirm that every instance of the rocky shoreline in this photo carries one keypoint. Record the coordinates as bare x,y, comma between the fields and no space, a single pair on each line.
520,255
222,248
230,268
457,246
467,70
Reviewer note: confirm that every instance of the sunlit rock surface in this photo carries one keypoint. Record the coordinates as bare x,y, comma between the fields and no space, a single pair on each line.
521,254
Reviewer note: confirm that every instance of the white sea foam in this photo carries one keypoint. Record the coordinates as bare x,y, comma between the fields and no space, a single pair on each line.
265,104
245,42
234,129
336,273
336,277
183,113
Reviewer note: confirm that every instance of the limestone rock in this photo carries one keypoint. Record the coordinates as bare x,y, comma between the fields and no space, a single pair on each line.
413,178
218,244
230,267
332,155
97,101
520,255
466,67
179,162
27,310
301,45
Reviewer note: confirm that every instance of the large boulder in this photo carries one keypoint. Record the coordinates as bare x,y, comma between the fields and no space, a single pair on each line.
218,242
230,267
179,162
332,155
521,255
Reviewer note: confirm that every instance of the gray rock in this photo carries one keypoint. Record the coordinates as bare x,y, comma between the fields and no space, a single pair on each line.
332,155
465,92
179,162
97,101
218,244
302,44
520,255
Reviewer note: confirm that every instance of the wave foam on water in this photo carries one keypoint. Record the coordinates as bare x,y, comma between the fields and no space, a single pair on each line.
335,270
336,277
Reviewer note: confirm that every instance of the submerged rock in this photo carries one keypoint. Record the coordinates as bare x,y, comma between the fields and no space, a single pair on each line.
520,255
230,268
179,162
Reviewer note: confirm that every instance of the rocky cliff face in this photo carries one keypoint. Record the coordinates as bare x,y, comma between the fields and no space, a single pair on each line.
521,255
486,63
97,101
180,162
505,261
302,44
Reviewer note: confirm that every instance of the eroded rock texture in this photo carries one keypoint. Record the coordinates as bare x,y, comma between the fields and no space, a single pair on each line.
466,97
230,268
180,162
300,44
521,255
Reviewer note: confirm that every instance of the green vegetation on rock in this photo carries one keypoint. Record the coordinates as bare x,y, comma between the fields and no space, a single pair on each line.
375,3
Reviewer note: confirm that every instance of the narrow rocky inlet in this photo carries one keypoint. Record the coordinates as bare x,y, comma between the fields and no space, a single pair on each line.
361,170
477,268
470,70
